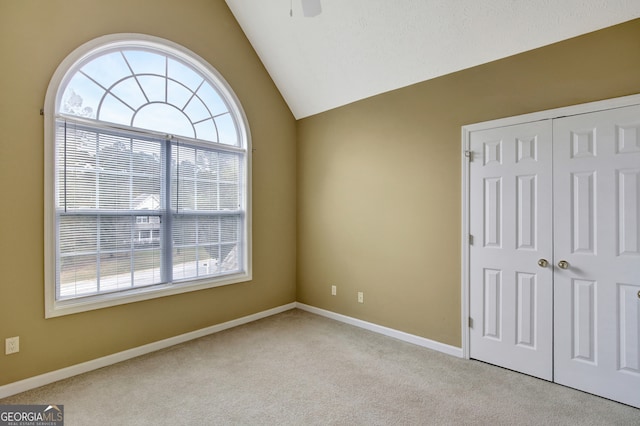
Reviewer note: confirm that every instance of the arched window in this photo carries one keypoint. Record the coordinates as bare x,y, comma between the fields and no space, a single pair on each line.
147,172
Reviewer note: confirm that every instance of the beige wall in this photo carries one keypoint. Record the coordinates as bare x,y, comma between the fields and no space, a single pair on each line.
379,180
35,35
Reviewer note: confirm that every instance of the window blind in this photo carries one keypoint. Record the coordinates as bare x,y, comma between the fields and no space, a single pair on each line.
134,210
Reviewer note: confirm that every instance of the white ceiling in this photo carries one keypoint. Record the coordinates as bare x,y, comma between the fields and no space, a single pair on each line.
359,48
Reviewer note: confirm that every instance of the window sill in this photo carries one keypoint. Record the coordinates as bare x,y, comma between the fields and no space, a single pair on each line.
89,303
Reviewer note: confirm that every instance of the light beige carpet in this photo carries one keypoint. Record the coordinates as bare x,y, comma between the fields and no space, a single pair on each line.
297,368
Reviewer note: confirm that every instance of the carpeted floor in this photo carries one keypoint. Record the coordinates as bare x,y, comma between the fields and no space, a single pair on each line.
297,368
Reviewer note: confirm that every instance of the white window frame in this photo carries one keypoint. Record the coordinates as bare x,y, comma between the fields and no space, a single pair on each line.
55,308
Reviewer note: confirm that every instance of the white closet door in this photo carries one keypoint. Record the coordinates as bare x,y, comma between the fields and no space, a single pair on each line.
597,233
510,223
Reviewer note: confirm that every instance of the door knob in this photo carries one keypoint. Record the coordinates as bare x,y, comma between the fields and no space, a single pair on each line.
563,264
543,263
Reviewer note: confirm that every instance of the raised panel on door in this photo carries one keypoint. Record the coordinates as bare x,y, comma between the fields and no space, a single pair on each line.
596,163
510,221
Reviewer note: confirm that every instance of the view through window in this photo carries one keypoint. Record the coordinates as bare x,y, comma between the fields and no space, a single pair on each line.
150,173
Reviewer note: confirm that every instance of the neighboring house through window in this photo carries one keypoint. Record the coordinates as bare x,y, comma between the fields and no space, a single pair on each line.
148,172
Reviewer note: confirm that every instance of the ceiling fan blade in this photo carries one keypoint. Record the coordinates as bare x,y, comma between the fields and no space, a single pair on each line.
311,8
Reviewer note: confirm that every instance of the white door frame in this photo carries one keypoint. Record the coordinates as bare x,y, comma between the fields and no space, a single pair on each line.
502,122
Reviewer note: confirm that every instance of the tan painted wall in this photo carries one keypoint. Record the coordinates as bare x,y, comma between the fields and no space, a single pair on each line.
379,183
35,35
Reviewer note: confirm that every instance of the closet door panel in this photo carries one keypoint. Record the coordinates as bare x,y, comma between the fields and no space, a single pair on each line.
510,294
596,185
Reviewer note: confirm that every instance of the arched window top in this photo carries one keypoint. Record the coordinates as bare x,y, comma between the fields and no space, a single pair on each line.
149,84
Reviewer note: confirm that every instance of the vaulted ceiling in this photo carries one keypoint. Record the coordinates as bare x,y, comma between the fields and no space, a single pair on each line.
359,48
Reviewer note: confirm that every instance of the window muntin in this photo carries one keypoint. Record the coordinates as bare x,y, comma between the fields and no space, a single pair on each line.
151,180
150,90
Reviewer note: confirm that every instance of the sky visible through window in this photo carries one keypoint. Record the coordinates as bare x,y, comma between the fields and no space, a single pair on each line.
149,90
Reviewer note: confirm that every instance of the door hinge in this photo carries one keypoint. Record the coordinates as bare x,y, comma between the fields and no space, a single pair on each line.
470,322
469,155
470,239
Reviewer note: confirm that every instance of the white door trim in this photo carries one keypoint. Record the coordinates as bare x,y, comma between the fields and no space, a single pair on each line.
502,122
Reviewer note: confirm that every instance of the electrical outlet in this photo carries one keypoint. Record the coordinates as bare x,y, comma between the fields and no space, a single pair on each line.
360,297
334,290
11,345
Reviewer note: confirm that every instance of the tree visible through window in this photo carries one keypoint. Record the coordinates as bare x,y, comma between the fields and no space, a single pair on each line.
150,165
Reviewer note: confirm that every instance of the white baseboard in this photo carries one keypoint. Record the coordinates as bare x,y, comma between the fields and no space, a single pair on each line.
400,335
74,370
